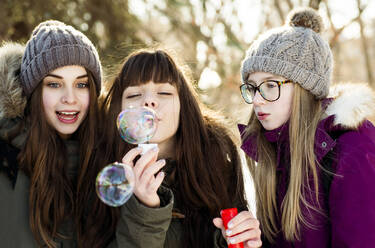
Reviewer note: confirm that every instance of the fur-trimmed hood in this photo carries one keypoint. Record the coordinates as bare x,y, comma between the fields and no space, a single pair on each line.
352,104
12,99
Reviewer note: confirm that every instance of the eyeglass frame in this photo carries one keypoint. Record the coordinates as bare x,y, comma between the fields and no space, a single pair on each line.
257,88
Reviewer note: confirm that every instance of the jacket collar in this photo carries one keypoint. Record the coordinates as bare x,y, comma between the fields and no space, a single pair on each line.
248,143
323,141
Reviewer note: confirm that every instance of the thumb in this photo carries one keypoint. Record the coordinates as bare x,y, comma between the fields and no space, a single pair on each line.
218,223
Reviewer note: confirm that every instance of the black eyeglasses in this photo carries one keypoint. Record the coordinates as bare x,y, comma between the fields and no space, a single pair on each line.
269,90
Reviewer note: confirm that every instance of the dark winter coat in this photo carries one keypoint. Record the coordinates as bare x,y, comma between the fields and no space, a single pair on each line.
15,229
346,135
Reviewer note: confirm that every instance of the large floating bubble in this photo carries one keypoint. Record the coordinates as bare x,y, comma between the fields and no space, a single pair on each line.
137,125
115,183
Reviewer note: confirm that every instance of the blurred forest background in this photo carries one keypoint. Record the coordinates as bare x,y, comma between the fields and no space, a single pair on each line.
211,36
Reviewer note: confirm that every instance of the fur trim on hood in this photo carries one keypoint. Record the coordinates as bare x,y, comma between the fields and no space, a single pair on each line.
352,104
12,100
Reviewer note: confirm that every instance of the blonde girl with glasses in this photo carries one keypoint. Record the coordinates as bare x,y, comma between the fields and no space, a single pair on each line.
312,157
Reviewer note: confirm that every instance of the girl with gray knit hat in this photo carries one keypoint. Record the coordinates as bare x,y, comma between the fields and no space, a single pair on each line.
311,156
48,117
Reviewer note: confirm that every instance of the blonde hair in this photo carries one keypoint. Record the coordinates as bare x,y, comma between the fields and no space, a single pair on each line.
305,115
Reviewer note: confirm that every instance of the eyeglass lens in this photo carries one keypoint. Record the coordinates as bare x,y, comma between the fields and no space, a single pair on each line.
269,90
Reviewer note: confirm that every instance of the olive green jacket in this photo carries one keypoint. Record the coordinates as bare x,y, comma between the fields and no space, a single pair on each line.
141,226
15,229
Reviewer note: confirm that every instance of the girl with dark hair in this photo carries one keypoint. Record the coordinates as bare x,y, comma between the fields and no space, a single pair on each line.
195,172
48,116
314,176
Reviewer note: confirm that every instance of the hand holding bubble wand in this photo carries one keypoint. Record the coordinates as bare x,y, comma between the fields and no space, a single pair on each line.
115,182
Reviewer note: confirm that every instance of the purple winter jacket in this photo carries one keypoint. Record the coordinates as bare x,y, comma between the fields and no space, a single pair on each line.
350,216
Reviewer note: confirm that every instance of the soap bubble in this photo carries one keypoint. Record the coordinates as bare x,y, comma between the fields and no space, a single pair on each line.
137,125
115,183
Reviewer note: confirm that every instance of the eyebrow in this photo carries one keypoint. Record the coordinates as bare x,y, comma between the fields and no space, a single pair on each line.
60,77
264,79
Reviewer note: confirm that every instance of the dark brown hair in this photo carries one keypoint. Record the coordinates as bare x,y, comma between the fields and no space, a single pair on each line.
54,197
208,174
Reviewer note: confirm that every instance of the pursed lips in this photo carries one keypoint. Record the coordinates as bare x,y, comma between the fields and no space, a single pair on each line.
262,115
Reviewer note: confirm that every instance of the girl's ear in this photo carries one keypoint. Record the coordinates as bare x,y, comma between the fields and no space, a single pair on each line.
12,100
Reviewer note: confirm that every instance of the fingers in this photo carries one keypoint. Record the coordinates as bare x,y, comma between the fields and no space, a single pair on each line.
144,161
249,235
242,228
242,222
148,172
148,177
146,182
156,182
218,222
253,243
130,156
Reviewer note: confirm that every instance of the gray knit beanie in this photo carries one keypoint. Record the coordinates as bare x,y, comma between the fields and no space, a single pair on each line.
295,51
54,44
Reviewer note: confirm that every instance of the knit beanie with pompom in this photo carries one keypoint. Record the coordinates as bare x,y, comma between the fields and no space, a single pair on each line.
295,51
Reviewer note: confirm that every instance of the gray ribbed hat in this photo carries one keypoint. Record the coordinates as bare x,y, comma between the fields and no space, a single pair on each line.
295,51
52,45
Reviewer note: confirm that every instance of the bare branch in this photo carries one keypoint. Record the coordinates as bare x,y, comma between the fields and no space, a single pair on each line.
314,4
329,16
365,48
290,4
337,31
279,10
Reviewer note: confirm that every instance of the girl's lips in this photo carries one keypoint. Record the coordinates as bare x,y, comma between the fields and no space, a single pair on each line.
262,116
67,117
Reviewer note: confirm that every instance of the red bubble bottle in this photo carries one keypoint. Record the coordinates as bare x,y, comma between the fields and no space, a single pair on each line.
226,216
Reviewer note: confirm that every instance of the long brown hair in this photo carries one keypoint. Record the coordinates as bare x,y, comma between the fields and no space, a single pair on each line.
208,173
305,115
54,198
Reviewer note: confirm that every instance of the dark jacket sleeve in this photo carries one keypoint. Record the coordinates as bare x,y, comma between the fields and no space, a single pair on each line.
352,194
140,226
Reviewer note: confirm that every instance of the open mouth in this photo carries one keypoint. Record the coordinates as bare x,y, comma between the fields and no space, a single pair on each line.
67,116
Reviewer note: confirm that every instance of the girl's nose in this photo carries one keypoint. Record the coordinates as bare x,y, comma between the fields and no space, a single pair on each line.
68,97
258,99
150,102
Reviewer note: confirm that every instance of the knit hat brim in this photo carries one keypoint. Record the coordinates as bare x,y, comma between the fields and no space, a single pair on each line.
77,55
